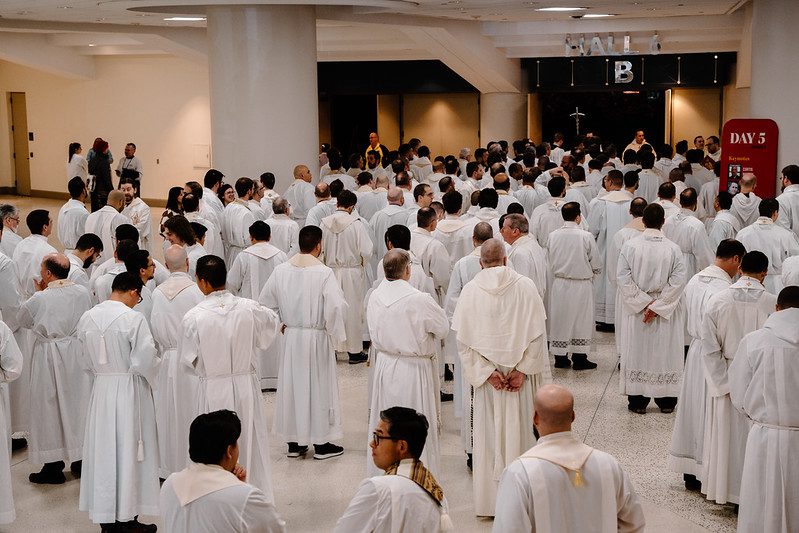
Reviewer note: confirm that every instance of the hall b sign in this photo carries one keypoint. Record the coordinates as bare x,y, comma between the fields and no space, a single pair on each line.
623,72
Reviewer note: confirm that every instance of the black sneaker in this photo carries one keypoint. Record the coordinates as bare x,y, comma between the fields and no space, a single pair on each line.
134,526
561,361
446,396
295,450
580,362
448,373
326,451
356,358
691,483
18,444
76,468
51,474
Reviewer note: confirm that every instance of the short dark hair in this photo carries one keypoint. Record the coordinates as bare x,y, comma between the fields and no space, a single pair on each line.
423,151
137,261
694,155
399,236
191,204
211,269
125,249
665,150
445,184
667,190
729,248
309,237
488,198
346,199
515,208
260,231
180,226
55,268
199,230
210,434
127,181
451,165
637,206
89,240
570,211
556,186
418,191
336,186
725,199
654,216
646,158
409,425
471,166
243,186
681,147
768,206
630,178
364,178
334,159
126,232
425,216
268,180
76,186
688,197
195,188
754,262
212,177
788,297
629,157
37,220
791,172
578,173
125,281
453,202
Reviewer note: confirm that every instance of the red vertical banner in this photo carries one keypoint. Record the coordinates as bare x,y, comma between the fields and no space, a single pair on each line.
749,145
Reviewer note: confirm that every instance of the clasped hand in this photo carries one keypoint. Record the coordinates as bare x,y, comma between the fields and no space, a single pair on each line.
512,382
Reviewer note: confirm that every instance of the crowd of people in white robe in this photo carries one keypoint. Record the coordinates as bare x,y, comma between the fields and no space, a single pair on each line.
412,264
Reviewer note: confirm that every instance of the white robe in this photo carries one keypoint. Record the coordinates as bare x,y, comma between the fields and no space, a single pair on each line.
776,242
574,261
104,223
120,449
651,274
219,339
9,291
176,384
730,314
59,386
789,208
446,233
545,219
502,419
632,230
370,201
648,183
300,196
195,252
435,259
706,198
725,225
71,223
139,214
205,499
348,181
285,234
463,244
252,268
28,257
347,248
609,214
530,197
790,271
320,211
687,232
406,327
213,237
10,369
307,407
537,491
390,215
685,453
745,207
257,211
9,241
236,229
760,378
78,274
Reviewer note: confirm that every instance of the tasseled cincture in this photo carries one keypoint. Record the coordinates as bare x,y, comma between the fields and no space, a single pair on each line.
446,523
140,452
578,479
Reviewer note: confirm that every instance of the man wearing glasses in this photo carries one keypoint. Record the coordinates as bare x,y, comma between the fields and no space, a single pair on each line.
9,216
407,497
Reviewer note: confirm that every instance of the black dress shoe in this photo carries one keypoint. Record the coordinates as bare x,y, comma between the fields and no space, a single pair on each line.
18,444
356,358
446,397
51,474
448,374
561,361
691,483
134,526
580,362
469,461
76,467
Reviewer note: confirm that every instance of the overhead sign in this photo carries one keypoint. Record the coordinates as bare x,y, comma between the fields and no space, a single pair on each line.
749,146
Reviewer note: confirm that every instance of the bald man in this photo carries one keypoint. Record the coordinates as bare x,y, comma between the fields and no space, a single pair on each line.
104,223
394,213
300,194
499,322
176,385
59,388
561,484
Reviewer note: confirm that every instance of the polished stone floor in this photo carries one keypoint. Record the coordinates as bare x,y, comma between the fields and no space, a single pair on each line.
311,495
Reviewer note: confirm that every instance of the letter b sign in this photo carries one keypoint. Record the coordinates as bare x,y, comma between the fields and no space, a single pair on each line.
624,72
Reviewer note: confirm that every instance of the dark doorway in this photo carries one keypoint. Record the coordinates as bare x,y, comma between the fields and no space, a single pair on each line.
352,118
612,115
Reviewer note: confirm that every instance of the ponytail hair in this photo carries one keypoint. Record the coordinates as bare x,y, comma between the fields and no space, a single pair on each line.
73,148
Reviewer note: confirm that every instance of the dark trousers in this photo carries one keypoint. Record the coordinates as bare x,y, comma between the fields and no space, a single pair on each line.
640,402
99,199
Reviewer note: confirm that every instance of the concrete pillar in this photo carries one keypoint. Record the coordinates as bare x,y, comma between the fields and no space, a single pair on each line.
503,116
264,96
774,79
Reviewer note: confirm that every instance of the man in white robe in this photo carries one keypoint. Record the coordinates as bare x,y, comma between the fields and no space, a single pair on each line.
138,212
666,197
371,195
432,254
651,277
176,385
724,225
574,262
777,242
10,369
9,289
87,250
219,339
688,232
423,197
9,217
211,494
745,204
790,271
789,199
59,386
487,212
407,497
284,229
307,409
394,213
527,256
300,195
562,484
237,220
119,478
334,160
347,248
253,267
406,327
325,205
254,203
730,314
72,215
687,438
760,381
213,234
609,214
447,229
269,194
547,218
210,202
104,223
529,194
500,326
399,236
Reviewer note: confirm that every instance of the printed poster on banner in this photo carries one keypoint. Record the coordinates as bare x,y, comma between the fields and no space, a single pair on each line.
749,146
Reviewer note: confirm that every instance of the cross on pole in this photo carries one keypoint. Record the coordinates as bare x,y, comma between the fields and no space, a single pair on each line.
576,115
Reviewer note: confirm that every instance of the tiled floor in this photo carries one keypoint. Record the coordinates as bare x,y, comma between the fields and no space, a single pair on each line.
312,494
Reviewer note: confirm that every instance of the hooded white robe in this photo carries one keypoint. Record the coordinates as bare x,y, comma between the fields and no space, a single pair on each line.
10,369
300,196
463,245
370,201
730,314
632,230
724,225
766,364
446,232
71,223
285,234
776,242
236,228
104,224
175,384
531,196
406,327
213,236
502,419
789,208
347,248
119,479
435,259
529,259
745,208
139,214
320,211
307,407
790,271
219,341
688,232
77,274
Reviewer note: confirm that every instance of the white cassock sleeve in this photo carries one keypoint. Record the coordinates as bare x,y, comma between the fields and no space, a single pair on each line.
10,356
476,368
362,515
188,343
634,298
144,357
260,516
266,326
235,276
630,514
740,376
335,309
514,509
713,356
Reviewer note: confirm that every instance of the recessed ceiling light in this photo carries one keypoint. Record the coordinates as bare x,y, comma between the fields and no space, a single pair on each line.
597,15
561,9
185,19
92,44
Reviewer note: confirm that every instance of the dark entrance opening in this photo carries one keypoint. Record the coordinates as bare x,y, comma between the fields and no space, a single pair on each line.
612,115
352,118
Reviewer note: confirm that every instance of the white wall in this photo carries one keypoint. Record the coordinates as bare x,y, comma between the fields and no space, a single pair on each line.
444,122
159,103
695,112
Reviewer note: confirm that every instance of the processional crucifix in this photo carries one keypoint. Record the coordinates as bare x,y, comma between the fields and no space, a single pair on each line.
576,115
